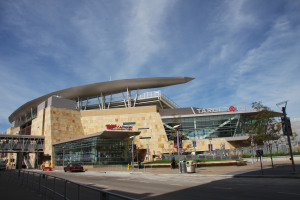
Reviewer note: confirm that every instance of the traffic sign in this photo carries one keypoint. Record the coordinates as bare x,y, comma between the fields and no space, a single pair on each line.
286,126
194,143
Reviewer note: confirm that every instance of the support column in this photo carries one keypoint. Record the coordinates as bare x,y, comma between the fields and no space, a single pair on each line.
129,98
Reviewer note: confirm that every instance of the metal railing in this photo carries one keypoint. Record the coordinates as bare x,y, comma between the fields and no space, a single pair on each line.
234,154
52,187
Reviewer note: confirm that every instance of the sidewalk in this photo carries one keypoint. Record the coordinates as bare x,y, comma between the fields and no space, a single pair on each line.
9,189
282,169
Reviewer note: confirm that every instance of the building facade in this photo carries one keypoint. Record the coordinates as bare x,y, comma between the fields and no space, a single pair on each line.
101,124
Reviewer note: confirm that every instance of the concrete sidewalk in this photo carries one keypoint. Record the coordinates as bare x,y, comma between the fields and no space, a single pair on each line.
9,189
282,169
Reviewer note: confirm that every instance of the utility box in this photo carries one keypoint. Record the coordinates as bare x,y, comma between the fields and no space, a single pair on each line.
191,166
182,165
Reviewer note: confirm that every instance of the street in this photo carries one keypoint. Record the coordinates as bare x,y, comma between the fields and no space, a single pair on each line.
186,186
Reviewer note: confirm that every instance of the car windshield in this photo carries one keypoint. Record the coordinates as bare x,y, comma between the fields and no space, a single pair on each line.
76,165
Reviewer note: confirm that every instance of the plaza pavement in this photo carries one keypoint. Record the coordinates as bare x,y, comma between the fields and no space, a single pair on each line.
282,169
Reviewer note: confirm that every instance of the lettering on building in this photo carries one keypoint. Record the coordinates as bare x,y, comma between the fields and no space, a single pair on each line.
116,127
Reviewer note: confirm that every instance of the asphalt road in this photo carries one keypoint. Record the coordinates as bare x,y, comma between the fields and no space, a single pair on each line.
187,186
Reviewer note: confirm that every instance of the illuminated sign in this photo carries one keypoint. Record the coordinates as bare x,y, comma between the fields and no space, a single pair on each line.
220,109
116,127
232,108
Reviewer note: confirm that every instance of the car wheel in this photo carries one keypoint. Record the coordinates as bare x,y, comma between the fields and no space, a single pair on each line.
65,170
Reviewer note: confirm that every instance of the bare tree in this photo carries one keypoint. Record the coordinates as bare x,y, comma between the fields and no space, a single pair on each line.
264,127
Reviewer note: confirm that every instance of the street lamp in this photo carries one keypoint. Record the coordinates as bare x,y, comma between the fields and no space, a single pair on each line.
132,159
175,127
63,156
210,146
287,132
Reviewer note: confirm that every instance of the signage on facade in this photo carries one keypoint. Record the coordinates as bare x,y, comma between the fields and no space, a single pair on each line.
116,127
128,123
145,138
220,109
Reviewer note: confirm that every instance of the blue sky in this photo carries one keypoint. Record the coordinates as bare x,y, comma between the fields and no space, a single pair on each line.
237,51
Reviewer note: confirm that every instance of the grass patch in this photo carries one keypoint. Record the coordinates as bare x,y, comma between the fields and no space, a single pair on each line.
273,154
169,161
159,162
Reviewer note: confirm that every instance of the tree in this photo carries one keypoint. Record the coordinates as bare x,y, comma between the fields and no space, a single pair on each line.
264,127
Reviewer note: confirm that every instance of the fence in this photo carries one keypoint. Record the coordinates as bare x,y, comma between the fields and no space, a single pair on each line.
233,154
52,187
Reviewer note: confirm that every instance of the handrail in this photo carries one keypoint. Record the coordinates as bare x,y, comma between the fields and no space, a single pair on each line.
21,177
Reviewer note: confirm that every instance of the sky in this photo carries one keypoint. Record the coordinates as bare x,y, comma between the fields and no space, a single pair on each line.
238,51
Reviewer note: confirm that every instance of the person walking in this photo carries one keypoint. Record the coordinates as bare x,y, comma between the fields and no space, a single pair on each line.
173,163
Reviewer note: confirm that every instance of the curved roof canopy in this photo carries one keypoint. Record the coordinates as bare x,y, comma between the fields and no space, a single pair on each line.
104,88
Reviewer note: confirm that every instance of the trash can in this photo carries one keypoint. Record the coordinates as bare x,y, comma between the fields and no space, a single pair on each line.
182,166
191,166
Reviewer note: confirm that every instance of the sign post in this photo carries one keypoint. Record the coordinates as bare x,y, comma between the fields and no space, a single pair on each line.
288,131
260,153
178,152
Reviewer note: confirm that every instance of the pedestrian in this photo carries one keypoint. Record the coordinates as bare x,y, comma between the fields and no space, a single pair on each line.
173,163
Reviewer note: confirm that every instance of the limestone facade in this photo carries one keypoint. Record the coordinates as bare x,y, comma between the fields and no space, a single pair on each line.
59,124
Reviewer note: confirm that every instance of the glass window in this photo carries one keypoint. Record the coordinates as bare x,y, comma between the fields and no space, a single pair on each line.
92,151
202,127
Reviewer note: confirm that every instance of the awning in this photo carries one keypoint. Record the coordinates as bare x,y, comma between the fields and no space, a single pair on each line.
239,138
107,134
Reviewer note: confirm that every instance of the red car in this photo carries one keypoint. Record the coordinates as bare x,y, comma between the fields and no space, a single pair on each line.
73,167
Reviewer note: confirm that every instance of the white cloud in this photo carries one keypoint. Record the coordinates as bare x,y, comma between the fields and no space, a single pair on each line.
269,73
235,18
144,39
236,55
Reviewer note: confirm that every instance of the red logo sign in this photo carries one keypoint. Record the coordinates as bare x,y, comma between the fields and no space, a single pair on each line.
111,126
232,108
116,127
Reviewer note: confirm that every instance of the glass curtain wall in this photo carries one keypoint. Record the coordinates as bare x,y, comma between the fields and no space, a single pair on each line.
193,128
92,151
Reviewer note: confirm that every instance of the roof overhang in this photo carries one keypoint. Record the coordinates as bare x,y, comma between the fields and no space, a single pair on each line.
239,138
104,88
107,134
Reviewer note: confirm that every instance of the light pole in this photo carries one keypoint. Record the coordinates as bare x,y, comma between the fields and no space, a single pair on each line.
63,156
287,132
175,127
288,137
210,146
132,159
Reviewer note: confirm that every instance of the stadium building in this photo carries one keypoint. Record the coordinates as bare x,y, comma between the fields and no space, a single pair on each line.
98,124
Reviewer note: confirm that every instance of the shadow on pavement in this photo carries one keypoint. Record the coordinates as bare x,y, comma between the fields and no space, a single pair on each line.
282,185
277,171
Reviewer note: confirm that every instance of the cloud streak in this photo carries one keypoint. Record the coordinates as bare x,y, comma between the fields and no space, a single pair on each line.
237,51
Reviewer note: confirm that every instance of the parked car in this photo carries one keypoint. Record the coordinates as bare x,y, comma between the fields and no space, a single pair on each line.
2,165
73,167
